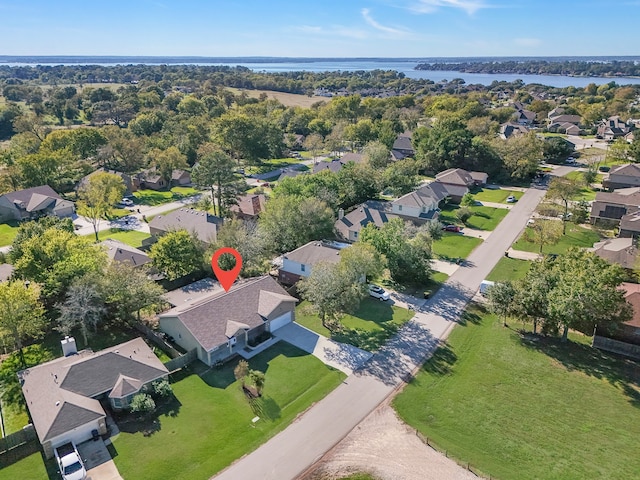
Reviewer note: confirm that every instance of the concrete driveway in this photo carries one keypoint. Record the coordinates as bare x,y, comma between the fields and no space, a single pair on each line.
345,358
97,460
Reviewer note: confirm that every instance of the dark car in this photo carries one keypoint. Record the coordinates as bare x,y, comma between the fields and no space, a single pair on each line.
451,228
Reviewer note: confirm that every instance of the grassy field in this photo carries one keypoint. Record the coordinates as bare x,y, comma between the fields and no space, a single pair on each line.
31,467
208,426
130,237
509,269
576,236
495,196
368,328
8,232
153,197
484,218
454,245
524,407
287,99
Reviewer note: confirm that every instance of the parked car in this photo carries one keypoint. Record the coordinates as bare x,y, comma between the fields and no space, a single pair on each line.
378,292
451,228
69,462
511,199
604,169
127,202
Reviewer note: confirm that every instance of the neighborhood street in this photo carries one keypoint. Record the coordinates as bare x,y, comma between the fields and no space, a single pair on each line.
305,441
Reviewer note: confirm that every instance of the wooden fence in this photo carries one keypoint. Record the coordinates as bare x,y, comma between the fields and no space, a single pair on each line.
18,445
158,340
182,361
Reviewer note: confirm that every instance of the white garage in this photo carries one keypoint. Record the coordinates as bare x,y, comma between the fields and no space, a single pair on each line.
280,321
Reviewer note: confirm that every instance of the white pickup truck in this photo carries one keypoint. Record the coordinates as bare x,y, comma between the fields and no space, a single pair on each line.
69,462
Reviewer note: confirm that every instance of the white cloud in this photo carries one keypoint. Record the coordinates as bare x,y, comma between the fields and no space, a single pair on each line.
366,14
430,6
528,42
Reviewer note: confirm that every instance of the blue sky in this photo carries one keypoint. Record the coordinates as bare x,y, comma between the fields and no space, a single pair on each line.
327,28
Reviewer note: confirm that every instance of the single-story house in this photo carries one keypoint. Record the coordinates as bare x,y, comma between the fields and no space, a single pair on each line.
564,127
458,182
630,225
421,204
621,251
121,252
126,179
180,178
630,137
202,224
625,340
612,128
249,206
223,324
525,117
299,262
348,226
63,396
149,179
289,172
33,203
622,176
614,205
509,129
336,165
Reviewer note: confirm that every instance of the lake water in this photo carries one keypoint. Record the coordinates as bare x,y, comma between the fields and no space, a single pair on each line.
405,66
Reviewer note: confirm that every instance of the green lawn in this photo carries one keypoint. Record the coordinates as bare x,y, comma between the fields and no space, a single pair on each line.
586,192
8,232
495,196
209,425
31,467
130,237
454,245
576,236
153,197
527,408
509,269
484,218
368,328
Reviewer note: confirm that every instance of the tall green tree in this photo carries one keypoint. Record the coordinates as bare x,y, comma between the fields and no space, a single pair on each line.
563,189
166,161
214,170
177,254
521,154
377,154
544,232
83,308
98,195
361,261
249,241
21,313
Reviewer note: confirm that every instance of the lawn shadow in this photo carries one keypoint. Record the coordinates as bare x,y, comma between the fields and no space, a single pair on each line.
111,448
265,407
450,302
149,423
622,372
442,360
374,311
369,340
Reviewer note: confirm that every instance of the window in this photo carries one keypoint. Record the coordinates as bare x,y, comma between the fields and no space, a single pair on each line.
303,267
400,208
117,402
355,234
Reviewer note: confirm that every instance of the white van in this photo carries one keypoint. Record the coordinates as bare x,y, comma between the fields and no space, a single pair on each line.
485,286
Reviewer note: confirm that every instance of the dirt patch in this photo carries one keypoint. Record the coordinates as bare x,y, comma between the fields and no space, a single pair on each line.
388,449
287,99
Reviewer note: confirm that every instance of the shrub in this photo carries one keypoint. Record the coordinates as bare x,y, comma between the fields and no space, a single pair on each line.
463,214
142,403
467,200
162,388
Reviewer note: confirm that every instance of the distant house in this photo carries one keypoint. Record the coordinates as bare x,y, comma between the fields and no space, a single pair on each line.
64,395
557,116
223,324
33,203
612,128
630,224
620,251
625,340
249,206
348,226
180,178
126,179
525,117
459,182
421,204
630,137
402,147
622,176
121,252
508,130
336,165
612,206
299,262
288,172
202,224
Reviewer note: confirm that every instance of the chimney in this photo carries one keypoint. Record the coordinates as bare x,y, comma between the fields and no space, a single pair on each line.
340,213
69,346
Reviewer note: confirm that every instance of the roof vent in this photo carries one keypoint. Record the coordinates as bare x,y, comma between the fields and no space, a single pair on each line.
57,404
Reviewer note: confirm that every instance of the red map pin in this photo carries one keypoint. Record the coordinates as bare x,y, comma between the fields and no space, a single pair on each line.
226,277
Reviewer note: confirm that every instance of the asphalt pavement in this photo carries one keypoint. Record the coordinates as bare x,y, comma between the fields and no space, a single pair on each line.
306,440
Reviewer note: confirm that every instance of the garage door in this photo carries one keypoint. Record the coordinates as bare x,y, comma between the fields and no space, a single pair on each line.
280,321
78,435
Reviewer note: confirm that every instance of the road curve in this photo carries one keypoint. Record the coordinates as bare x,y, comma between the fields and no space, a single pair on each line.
307,439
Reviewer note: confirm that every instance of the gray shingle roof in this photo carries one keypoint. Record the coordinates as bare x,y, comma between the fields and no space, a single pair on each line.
628,170
57,392
204,225
211,319
617,250
371,211
121,252
425,195
314,252
455,176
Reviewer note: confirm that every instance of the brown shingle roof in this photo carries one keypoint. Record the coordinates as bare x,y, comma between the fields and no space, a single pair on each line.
204,225
210,318
617,250
121,252
371,211
250,205
314,252
425,195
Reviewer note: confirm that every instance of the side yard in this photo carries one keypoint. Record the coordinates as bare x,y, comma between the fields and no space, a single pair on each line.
8,232
130,237
495,195
483,218
576,236
153,197
209,424
513,405
454,245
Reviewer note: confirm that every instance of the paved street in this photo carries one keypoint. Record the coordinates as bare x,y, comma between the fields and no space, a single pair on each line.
306,440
